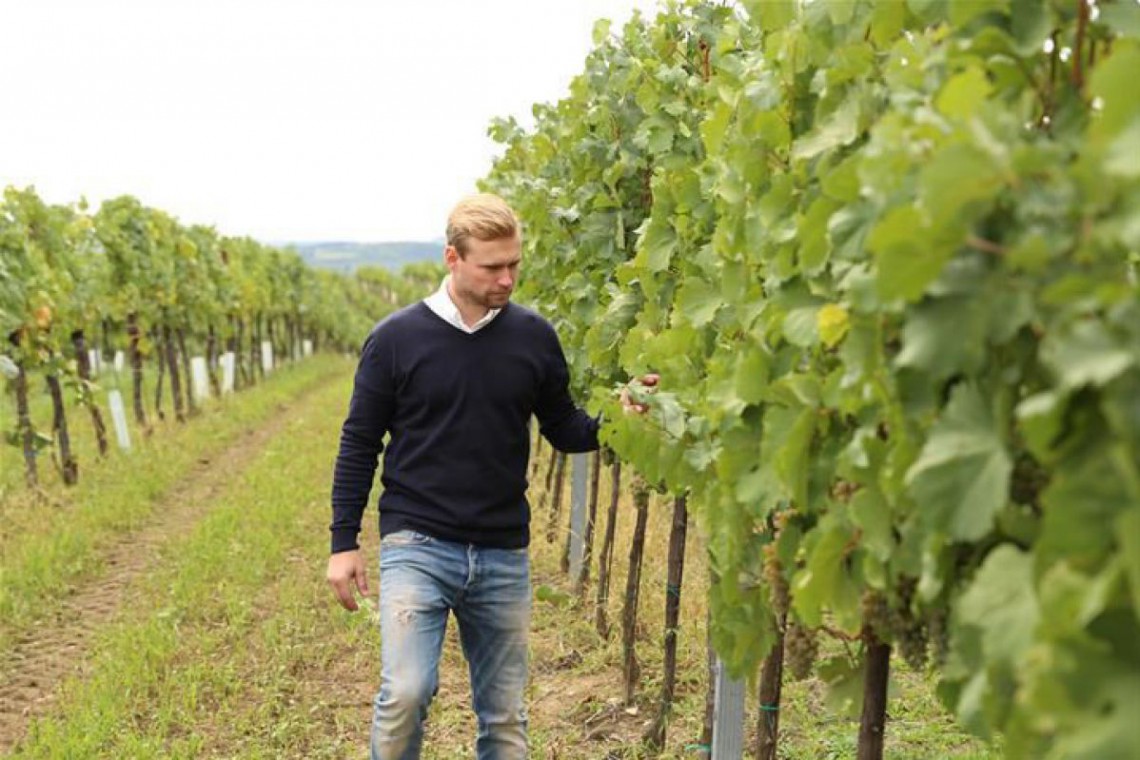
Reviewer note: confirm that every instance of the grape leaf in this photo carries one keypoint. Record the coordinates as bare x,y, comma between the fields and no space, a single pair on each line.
961,478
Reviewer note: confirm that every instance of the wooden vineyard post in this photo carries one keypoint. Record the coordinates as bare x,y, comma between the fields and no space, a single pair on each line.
548,481
535,454
83,362
711,661
728,721
191,402
212,361
631,671
655,737
68,466
160,374
771,682
872,725
606,558
175,375
581,575
135,336
575,546
556,498
24,424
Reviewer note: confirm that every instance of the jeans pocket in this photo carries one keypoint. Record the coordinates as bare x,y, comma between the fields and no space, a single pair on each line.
405,538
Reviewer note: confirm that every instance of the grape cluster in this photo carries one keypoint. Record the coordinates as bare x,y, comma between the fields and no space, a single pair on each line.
800,650
938,632
908,631
777,584
1027,480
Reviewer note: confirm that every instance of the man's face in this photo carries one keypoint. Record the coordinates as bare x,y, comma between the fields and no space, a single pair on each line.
487,274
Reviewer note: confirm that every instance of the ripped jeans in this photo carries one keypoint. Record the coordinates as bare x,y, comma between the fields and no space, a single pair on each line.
421,580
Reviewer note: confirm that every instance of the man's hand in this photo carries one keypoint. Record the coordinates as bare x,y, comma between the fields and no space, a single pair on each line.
346,569
639,406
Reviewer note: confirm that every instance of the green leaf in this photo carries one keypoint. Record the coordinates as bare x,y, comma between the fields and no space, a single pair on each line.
788,434
601,30
963,93
886,22
944,336
1114,81
873,515
1123,157
1122,18
1041,420
801,326
907,260
698,301
956,183
814,246
771,14
963,11
658,244
839,128
1128,534
961,478
1030,21
551,595
751,375
824,582
1086,354
1001,604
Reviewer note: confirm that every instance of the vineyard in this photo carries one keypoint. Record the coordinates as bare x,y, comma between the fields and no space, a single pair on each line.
128,289
884,257
885,501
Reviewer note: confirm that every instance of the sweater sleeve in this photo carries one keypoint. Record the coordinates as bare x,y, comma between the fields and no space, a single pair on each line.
361,439
568,428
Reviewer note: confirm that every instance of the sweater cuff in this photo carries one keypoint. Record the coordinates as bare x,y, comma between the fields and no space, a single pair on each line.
344,539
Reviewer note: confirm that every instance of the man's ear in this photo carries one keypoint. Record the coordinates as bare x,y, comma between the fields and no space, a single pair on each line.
450,256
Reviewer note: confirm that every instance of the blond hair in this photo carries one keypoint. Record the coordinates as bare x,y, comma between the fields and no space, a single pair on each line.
483,216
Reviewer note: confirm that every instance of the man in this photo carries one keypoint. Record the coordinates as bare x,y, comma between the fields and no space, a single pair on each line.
454,380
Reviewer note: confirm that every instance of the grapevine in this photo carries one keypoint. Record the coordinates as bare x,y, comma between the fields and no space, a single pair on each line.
883,257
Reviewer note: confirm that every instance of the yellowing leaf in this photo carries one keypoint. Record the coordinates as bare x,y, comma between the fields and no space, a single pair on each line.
833,324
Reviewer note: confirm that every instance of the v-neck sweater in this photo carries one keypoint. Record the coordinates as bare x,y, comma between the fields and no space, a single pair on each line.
456,408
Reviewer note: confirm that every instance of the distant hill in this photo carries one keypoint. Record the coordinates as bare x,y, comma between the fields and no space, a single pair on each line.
346,257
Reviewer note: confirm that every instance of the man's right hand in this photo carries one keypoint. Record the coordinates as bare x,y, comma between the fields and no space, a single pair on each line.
346,569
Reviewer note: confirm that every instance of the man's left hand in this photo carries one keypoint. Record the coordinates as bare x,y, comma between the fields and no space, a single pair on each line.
628,405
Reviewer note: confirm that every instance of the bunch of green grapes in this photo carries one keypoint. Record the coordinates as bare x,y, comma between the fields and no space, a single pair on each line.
801,646
938,633
908,631
777,584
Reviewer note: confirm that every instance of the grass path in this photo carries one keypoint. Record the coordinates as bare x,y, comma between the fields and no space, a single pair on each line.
43,656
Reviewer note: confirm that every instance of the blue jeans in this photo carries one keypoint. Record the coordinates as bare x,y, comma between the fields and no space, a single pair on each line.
422,579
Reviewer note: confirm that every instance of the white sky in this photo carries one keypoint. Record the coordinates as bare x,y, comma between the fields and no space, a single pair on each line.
280,119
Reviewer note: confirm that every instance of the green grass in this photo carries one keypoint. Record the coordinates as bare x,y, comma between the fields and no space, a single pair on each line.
206,654
233,646
49,545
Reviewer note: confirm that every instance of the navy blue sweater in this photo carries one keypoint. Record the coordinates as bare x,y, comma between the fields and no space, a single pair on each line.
457,407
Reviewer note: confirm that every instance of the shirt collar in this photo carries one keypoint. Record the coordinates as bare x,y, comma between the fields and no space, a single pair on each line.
440,302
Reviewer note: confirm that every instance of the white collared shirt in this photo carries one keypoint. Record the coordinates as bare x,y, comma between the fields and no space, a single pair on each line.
440,302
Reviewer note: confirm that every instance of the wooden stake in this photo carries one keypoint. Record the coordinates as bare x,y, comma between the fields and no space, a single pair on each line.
872,726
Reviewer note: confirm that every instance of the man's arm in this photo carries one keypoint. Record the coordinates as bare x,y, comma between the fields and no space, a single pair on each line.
568,427
361,441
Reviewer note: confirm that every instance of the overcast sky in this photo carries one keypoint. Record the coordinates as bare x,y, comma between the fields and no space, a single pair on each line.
280,119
